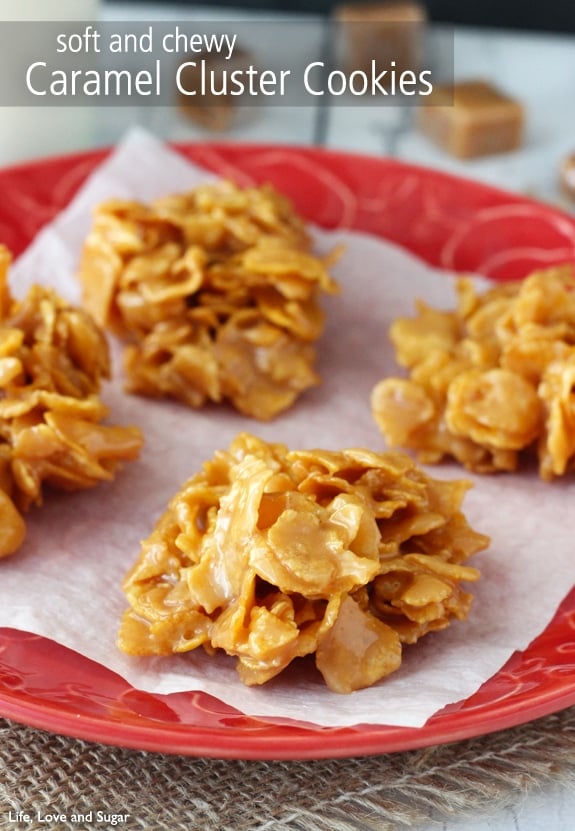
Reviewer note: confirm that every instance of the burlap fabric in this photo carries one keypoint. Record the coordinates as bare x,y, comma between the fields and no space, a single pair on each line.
46,774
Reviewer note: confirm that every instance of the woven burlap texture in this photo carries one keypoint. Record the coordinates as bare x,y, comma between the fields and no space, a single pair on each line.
45,773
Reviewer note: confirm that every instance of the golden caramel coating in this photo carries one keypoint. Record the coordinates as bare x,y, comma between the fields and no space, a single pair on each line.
53,358
490,380
216,293
271,554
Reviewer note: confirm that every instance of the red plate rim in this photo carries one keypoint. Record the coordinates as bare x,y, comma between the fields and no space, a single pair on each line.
448,221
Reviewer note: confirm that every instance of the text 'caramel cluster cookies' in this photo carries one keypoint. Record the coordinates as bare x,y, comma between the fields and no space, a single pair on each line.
215,291
52,359
489,380
271,554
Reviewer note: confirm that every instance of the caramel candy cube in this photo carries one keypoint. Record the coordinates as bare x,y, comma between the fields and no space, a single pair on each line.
471,119
567,177
220,112
385,32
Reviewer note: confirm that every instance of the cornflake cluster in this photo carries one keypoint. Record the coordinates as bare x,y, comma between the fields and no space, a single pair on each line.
271,554
52,359
216,293
489,380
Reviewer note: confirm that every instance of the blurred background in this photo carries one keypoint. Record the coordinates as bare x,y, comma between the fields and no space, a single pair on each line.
519,56
552,16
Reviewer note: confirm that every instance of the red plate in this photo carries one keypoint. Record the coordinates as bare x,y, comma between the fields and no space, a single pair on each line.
450,222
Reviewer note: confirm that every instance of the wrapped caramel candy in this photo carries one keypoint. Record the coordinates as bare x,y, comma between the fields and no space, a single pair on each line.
53,358
490,381
270,554
215,292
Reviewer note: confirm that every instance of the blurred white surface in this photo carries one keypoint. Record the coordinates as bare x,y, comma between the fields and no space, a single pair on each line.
26,131
49,9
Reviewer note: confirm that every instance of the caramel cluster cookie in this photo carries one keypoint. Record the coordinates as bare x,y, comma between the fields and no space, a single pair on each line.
216,293
270,554
53,357
490,381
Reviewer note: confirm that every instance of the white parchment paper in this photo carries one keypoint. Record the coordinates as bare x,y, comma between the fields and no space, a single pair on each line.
65,582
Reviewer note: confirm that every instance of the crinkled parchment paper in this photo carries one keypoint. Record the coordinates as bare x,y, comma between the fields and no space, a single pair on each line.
65,582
